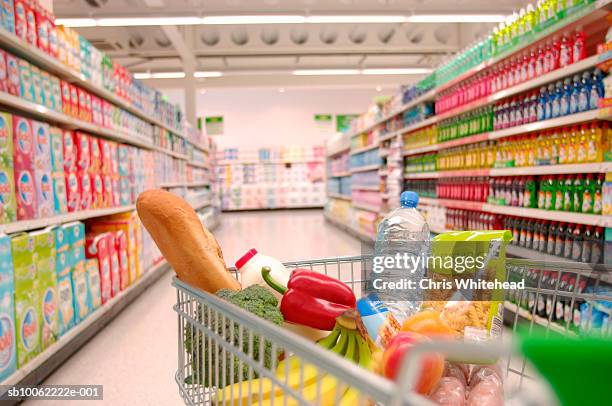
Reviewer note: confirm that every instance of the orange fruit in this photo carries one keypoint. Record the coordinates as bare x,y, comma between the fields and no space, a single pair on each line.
428,323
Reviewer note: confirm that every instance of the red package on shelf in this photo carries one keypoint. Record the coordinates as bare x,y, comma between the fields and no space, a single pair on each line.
70,153
53,40
74,101
107,187
115,269
85,190
3,72
31,32
97,247
73,197
42,26
96,156
12,74
89,116
23,142
21,25
97,191
105,159
83,147
121,242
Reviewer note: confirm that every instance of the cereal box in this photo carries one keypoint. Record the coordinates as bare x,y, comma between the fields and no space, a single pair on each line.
97,195
66,102
97,249
96,156
7,12
69,151
65,303
3,72
80,293
75,233
93,283
7,310
45,81
8,205
31,34
57,149
83,147
23,146
27,314
45,257
55,100
26,89
85,190
42,26
73,196
107,189
35,78
21,25
12,72
74,100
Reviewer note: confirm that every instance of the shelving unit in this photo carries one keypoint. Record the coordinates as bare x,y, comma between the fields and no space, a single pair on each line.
339,196
365,168
363,149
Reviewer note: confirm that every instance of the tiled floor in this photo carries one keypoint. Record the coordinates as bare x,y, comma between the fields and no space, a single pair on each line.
135,356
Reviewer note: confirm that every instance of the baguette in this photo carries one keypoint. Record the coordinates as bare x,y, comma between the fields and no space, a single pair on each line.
191,250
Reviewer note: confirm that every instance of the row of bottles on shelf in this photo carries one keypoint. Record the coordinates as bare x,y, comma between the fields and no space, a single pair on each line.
556,54
516,31
425,188
566,240
567,145
461,220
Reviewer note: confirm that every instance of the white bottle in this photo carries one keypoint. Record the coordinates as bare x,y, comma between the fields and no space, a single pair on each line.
250,265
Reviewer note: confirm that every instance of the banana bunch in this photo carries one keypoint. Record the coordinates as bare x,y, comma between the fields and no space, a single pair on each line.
306,379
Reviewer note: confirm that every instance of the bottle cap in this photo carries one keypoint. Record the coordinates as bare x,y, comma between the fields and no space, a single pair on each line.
246,258
409,199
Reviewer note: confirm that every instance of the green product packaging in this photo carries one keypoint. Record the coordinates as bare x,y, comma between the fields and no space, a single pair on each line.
531,196
488,247
578,193
46,275
558,187
542,190
8,205
588,198
568,194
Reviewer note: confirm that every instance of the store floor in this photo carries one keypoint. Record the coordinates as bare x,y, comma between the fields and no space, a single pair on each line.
135,357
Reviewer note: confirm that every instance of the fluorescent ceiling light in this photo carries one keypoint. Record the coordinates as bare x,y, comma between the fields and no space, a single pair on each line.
456,18
76,22
207,74
159,75
320,72
280,19
142,21
262,19
357,19
400,71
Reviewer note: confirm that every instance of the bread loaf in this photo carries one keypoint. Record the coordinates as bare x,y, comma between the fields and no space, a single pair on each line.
190,249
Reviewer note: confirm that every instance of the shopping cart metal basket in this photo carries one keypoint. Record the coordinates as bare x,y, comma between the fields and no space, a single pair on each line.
212,333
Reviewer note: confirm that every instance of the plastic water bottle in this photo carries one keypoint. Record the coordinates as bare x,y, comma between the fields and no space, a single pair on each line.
404,231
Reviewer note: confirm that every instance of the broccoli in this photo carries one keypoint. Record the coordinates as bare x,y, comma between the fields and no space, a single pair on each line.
254,299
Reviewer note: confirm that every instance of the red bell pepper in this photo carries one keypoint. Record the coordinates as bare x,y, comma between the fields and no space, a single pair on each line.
312,299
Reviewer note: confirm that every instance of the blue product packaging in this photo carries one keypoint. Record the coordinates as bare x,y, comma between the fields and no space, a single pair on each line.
575,97
76,238
8,351
8,15
597,89
541,107
65,304
566,96
379,322
80,293
585,92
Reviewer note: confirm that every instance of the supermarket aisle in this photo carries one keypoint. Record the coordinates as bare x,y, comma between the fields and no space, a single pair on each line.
135,356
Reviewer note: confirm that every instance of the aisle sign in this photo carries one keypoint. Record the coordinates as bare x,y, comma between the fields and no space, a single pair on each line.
325,123
343,121
214,125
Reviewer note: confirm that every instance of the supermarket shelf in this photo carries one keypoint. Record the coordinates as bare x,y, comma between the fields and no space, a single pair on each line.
201,205
23,49
365,168
599,167
570,70
389,136
42,113
363,149
447,174
452,204
339,196
370,188
420,150
579,218
338,151
366,207
275,162
525,314
546,124
340,174
197,146
314,206
383,172
360,234
172,185
198,165
25,225
44,364
197,184
424,123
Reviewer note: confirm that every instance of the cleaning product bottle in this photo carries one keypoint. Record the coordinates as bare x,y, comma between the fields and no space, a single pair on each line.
559,186
530,194
568,194
579,51
540,62
541,107
542,191
585,92
594,147
565,51
564,105
550,103
575,97
578,193
571,145
590,185
598,194
597,89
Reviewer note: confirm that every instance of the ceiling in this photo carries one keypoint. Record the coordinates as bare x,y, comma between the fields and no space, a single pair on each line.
274,50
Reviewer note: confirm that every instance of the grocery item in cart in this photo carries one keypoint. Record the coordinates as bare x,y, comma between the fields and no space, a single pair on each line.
250,265
192,251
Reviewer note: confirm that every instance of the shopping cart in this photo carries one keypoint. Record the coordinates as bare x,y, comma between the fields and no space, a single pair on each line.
212,334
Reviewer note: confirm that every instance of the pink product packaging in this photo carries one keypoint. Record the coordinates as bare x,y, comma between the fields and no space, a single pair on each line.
123,160
97,199
116,192
73,197
21,25
23,143
70,152
26,194
107,187
96,156
12,72
3,72
113,158
105,158
44,193
45,83
83,148
85,190
42,146
31,34
125,193
37,94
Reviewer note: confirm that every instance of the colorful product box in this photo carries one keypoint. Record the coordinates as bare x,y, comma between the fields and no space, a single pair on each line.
74,101
8,205
125,193
65,303
8,358
85,190
83,147
93,283
42,150
66,103
26,89
75,233
97,196
95,163
82,104
12,71
45,198
121,243
115,269
63,260
45,82
123,160
42,26
27,314
42,169
36,85
70,151
7,12
80,293
23,150
107,188
56,94
60,198
46,255
3,72
57,149
73,195
105,157
31,34
21,25
97,249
